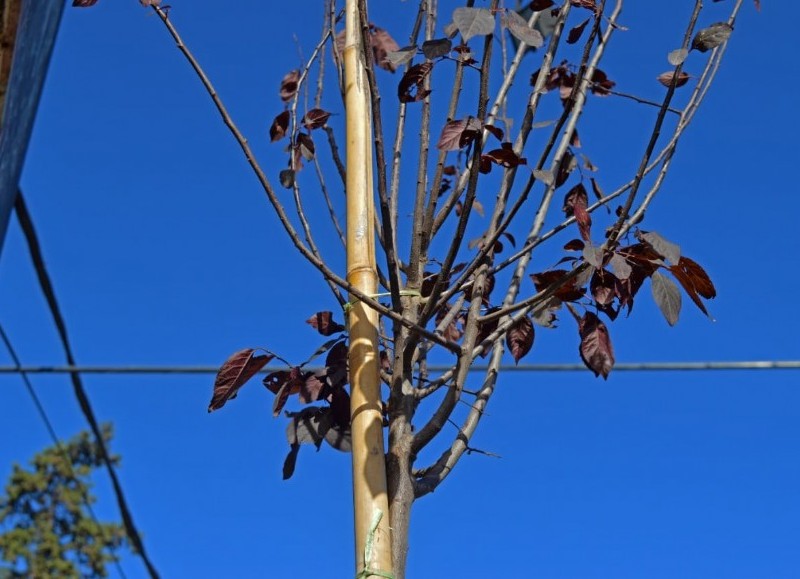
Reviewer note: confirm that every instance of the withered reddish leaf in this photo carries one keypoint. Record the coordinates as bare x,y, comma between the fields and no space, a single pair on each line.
83,3
305,146
280,125
496,131
603,287
336,364
519,338
588,4
575,203
711,37
694,280
566,167
758,4
539,5
286,178
596,349
574,245
485,329
313,387
667,297
323,322
437,48
413,79
340,406
601,84
575,34
575,196
505,157
598,192
289,85
233,374
568,292
290,461
452,331
452,137
698,276
488,286
382,44
665,78
287,383
315,118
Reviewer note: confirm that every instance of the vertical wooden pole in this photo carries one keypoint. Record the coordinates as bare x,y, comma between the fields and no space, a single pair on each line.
370,498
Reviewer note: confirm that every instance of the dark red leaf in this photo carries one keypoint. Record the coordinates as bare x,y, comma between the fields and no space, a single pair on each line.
566,167
568,292
588,4
83,3
233,374
336,365
665,78
575,245
505,157
575,203
304,147
414,79
694,280
283,384
575,34
485,329
315,118
324,324
539,5
313,387
519,338
603,287
596,349
453,331
280,125
340,407
601,84
458,134
496,131
289,85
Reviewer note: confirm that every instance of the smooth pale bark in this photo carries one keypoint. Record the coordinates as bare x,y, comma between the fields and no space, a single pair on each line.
370,498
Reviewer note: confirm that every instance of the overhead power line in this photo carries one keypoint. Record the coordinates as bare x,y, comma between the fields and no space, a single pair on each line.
46,285
621,367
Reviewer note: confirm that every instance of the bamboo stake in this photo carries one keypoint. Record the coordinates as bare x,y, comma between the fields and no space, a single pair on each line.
370,497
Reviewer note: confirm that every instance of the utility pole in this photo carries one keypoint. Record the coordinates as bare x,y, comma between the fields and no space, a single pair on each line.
370,497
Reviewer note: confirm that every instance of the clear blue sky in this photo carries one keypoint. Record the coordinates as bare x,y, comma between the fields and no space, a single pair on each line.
164,251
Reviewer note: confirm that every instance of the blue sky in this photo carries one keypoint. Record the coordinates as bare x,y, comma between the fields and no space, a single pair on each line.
164,251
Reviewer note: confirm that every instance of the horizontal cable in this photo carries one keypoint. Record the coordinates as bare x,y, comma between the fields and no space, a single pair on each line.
622,367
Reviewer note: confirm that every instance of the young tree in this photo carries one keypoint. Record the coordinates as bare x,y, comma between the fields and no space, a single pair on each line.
476,138
47,528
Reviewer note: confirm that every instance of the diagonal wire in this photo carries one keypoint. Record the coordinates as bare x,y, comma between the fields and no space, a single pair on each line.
52,431
77,384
